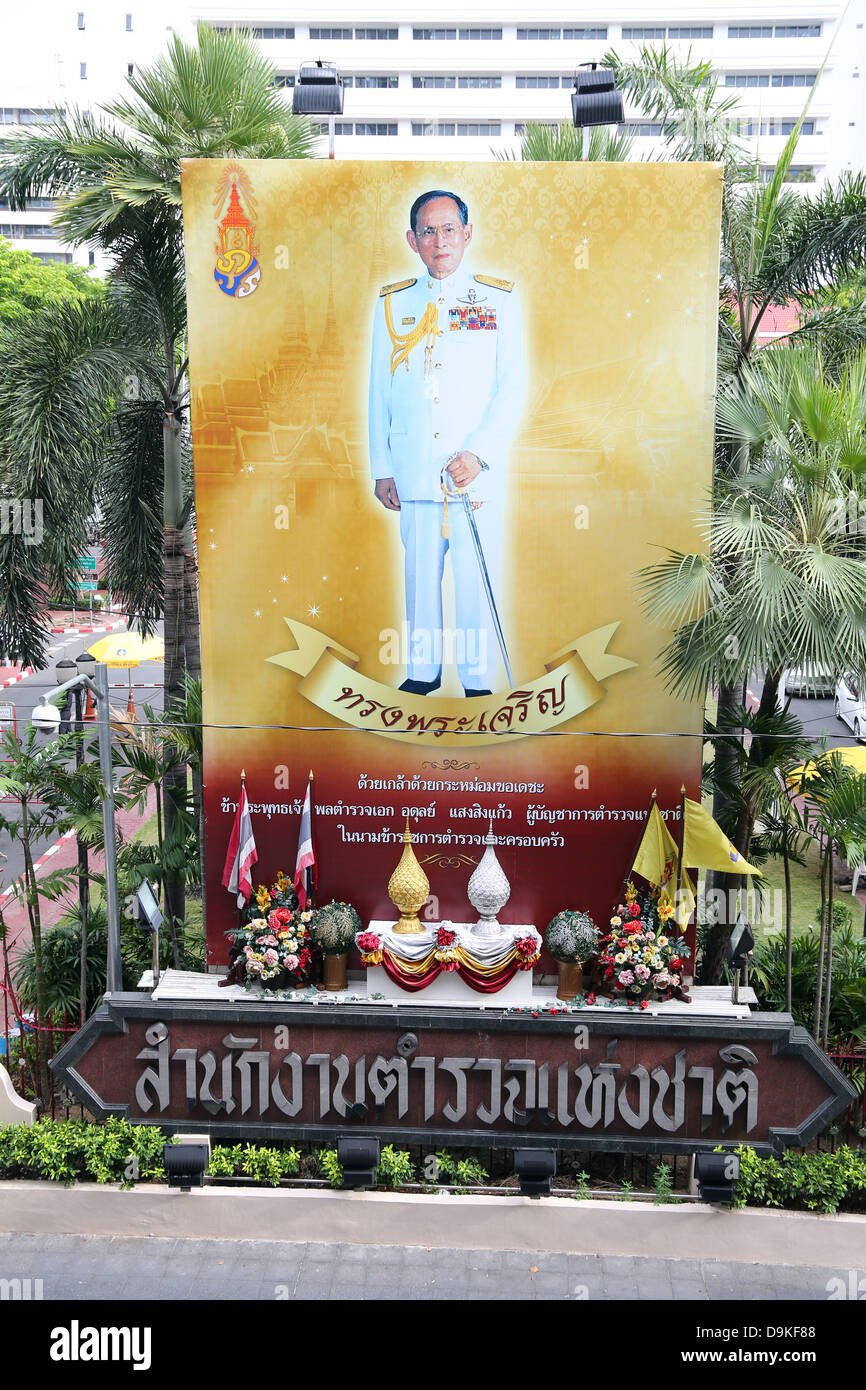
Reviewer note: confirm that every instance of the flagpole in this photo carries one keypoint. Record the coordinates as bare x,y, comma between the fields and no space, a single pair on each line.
639,841
240,909
309,869
680,854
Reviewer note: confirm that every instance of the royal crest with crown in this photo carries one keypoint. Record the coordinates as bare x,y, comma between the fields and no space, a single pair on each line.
237,271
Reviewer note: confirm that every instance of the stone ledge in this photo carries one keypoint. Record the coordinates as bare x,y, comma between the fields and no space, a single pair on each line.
471,1222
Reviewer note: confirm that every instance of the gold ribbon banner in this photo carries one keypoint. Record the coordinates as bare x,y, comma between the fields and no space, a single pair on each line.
573,681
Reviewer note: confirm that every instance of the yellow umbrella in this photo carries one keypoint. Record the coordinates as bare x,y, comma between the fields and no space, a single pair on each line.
128,649
853,756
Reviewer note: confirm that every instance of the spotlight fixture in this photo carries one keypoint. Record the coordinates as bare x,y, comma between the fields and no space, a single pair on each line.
535,1168
595,99
715,1175
359,1159
185,1163
318,90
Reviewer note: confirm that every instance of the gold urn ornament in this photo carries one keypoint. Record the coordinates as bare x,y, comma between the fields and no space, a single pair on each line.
408,889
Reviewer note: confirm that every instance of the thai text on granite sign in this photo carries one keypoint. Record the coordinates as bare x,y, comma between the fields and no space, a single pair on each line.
651,1083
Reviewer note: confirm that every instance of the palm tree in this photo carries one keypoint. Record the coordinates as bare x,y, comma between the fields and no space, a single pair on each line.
117,175
30,777
562,142
836,801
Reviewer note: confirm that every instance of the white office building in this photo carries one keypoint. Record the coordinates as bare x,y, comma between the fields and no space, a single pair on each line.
57,56
426,82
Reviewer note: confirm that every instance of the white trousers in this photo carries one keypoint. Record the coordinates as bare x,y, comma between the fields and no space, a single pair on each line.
472,646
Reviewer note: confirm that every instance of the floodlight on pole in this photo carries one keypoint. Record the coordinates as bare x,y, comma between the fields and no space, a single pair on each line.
595,99
318,91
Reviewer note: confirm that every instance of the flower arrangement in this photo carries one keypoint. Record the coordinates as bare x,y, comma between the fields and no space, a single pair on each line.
334,927
571,936
272,947
642,957
527,952
370,946
445,948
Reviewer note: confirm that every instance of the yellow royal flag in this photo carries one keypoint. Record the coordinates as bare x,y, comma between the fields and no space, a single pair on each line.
656,860
706,846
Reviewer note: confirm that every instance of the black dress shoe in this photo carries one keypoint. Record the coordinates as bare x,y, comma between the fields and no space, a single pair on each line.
421,687
471,694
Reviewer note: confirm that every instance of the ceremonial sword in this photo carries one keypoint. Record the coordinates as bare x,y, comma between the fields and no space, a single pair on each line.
463,494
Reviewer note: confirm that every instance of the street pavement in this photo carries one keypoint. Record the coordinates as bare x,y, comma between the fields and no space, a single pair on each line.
83,1267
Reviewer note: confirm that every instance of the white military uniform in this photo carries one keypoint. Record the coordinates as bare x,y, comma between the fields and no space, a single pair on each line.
447,375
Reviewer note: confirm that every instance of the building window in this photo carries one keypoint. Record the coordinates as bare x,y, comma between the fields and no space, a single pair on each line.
534,83
91,258
435,34
284,79
83,72
597,33
364,128
27,116
486,35
129,24
130,69
20,230
471,80
7,115
797,173
642,128
360,79
775,79
81,19
771,127
330,33
642,32
429,80
470,128
375,33
521,126
539,34
690,31
53,257
750,31
798,31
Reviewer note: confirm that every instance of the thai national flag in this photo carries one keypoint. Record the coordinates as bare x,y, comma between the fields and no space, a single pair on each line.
305,865
242,853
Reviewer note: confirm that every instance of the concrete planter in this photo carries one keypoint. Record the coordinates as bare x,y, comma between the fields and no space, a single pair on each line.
693,1231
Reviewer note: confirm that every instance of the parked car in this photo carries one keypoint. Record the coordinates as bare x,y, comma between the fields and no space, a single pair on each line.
850,702
809,680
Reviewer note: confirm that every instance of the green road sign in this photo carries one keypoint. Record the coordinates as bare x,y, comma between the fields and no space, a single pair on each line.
86,562
87,584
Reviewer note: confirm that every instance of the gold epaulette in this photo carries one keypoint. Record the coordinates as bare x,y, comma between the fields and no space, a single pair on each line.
507,285
397,285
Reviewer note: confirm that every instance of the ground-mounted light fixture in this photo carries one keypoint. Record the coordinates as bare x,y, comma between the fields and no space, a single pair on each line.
740,945
595,99
186,1162
318,91
535,1168
359,1159
715,1175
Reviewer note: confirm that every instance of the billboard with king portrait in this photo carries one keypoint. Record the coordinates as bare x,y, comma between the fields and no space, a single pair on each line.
443,414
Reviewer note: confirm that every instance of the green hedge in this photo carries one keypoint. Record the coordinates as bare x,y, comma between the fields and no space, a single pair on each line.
803,1182
117,1151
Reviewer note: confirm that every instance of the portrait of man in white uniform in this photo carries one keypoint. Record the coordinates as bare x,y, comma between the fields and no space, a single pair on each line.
447,384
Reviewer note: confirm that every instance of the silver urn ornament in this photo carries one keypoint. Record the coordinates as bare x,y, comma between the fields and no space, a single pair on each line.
489,890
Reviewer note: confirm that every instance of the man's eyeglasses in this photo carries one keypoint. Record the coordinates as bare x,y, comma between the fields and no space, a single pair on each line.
448,229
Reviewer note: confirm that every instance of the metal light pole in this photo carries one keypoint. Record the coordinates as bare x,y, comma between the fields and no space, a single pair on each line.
98,688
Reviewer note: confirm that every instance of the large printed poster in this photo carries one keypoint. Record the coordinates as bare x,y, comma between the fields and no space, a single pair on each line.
443,413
